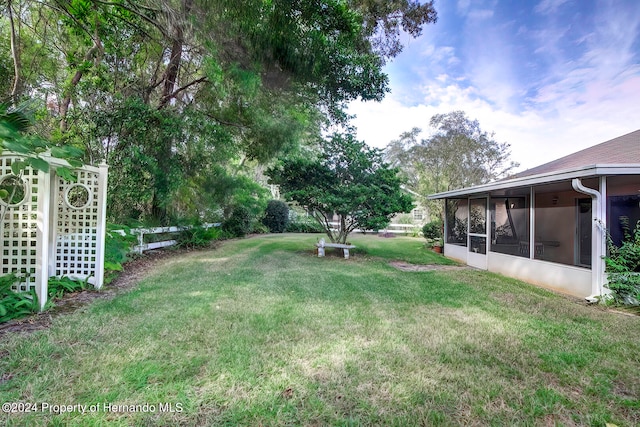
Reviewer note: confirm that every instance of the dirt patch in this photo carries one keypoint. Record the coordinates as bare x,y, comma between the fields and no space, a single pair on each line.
428,267
134,271
387,235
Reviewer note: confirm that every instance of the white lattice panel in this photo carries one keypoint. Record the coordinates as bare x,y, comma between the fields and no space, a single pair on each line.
51,227
19,227
76,228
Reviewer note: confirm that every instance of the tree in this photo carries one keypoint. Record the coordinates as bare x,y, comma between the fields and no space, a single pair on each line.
458,154
383,20
276,216
348,179
178,94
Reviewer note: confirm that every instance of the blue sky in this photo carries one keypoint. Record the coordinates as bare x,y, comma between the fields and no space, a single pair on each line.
549,77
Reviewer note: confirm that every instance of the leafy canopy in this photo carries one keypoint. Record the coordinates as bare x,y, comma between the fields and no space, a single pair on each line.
458,154
14,137
348,179
179,95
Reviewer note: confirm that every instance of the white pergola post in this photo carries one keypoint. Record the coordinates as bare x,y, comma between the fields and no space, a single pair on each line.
58,228
102,225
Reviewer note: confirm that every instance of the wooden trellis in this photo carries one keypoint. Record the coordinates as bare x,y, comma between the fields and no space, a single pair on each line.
52,227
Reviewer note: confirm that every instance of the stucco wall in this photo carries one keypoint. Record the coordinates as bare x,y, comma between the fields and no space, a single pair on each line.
564,278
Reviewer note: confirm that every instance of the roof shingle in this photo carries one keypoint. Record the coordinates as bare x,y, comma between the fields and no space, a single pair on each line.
624,149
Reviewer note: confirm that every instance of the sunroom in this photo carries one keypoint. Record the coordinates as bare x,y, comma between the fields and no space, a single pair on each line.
549,225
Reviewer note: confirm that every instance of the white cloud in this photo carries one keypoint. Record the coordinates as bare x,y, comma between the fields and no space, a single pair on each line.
547,7
536,136
463,6
580,87
480,14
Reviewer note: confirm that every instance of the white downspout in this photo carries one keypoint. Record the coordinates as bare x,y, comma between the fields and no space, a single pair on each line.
597,240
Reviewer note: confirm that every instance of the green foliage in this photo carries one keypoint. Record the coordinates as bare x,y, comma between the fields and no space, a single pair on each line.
432,231
117,248
14,137
304,225
257,227
199,237
623,268
276,216
457,154
348,179
58,286
239,222
181,97
14,305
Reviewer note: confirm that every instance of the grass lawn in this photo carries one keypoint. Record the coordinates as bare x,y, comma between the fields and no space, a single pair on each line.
262,332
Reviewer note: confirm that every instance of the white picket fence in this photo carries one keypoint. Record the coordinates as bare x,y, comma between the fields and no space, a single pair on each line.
391,228
142,246
140,233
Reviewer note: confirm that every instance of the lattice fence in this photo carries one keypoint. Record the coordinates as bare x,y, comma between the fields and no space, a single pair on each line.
51,227
20,250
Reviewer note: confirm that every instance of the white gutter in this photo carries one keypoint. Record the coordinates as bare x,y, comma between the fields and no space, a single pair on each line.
543,178
597,240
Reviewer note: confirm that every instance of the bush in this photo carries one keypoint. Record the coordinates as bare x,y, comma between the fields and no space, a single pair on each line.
259,228
276,216
432,230
116,250
304,226
239,223
623,268
198,237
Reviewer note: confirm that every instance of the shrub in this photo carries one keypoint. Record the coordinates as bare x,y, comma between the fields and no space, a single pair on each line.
432,230
239,223
198,237
623,268
257,227
304,226
276,216
116,250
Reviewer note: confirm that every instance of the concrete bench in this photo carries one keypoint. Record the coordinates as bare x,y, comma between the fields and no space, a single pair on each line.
322,244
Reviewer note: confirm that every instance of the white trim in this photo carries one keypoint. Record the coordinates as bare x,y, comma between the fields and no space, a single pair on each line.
101,231
44,223
26,189
544,178
532,223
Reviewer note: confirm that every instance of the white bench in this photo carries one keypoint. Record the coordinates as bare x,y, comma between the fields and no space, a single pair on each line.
322,244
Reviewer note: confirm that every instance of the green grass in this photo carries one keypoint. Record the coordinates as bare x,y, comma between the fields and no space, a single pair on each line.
262,332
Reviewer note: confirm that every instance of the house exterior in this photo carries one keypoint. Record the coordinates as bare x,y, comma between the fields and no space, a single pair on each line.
418,216
548,225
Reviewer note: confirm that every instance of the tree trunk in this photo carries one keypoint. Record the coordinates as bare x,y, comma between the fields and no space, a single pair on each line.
95,52
175,59
15,54
170,78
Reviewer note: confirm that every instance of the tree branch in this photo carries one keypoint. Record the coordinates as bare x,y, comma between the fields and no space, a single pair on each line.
226,123
15,53
141,15
165,99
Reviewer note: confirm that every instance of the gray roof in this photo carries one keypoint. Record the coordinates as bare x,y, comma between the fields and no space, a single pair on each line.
619,156
624,149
